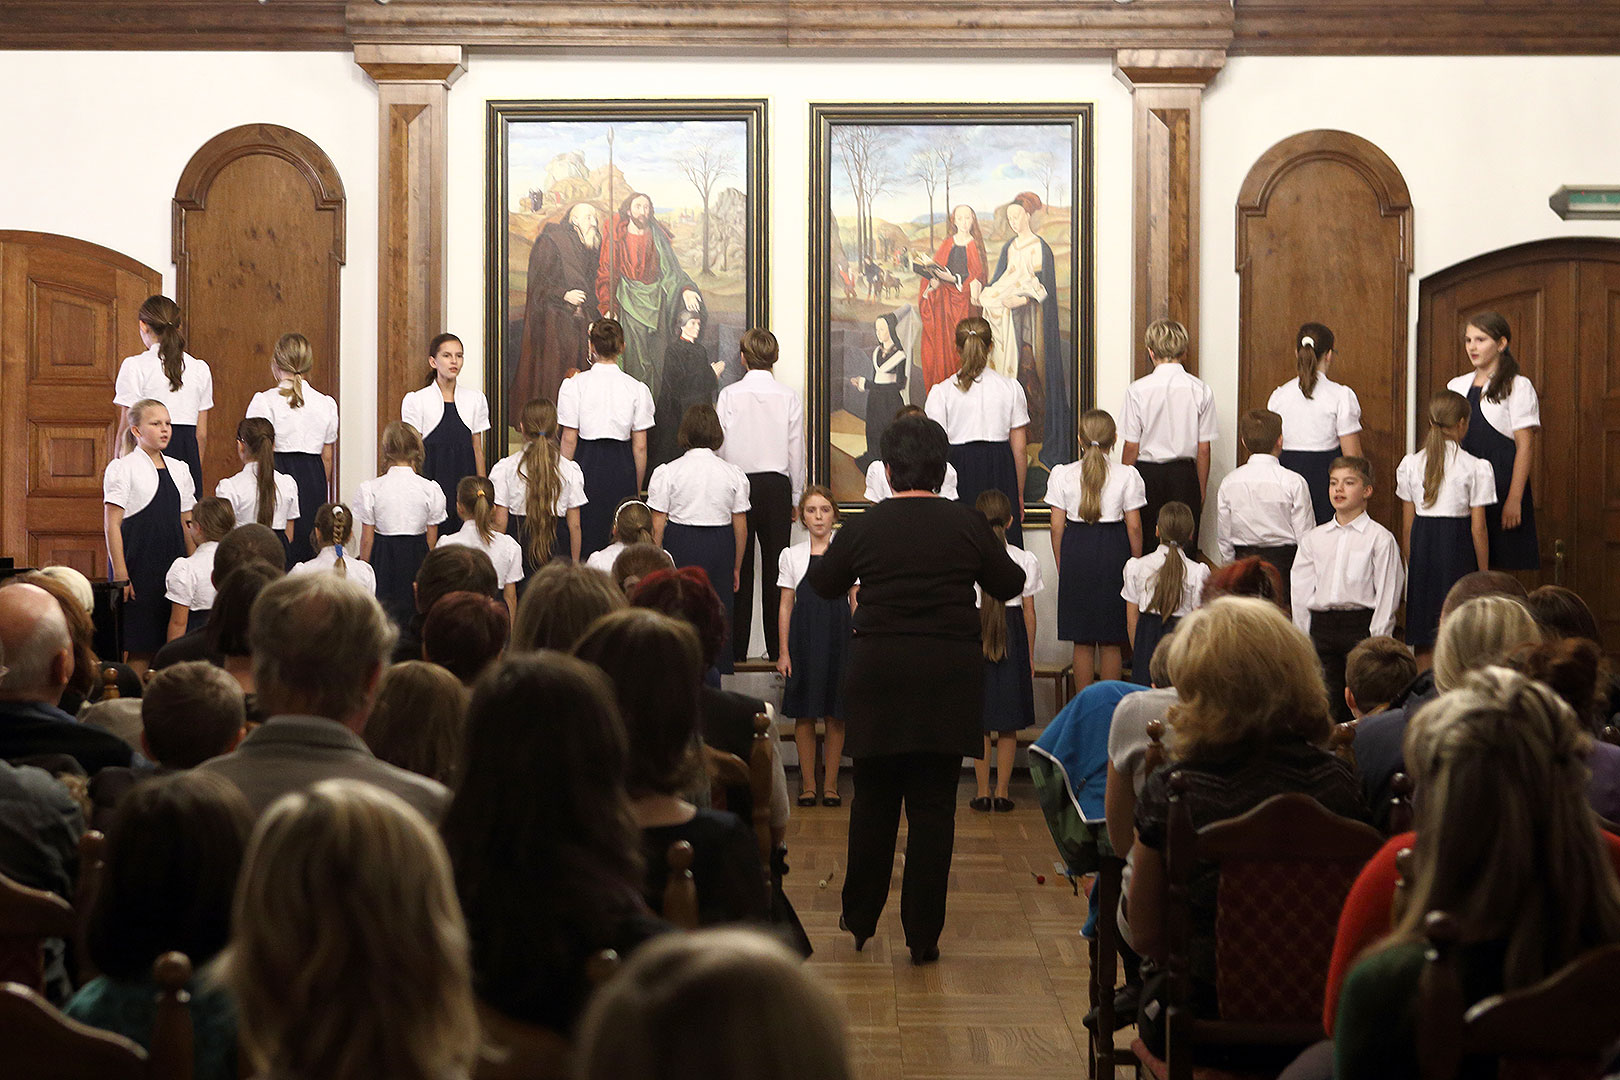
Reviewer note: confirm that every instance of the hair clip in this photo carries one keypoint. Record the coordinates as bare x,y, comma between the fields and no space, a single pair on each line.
1308,340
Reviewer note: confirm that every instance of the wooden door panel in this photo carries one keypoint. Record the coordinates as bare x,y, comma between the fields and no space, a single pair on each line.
1591,562
66,459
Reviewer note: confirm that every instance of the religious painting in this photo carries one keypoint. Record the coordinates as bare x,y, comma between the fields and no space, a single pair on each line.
924,215
648,212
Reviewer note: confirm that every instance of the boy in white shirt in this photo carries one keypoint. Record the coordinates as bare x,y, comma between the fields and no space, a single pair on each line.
1167,424
1262,508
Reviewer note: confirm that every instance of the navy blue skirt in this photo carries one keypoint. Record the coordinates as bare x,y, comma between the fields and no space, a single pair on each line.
1442,552
183,447
714,549
196,620
984,465
153,538
448,457
1009,684
1090,608
395,560
309,474
1151,627
818,640
1314,466
610,476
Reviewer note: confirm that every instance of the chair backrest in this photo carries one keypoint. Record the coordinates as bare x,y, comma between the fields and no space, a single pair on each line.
1155,755
92,863
27,918
42,1044
761,766
1343,742
680,888
173,1037
1400,804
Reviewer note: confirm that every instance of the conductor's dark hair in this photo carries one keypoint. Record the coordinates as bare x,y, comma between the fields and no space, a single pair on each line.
915,449
607,338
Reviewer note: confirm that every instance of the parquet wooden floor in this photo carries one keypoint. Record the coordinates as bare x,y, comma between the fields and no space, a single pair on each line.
1007,996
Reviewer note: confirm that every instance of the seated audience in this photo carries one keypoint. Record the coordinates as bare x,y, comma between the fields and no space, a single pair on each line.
247,543
173,853
1576,670
228,622
559,604
545,882
718,1004
85,683
655,665
1128,744
1250,576
39,660
1505,844
348,954
636,562
319,643
1251,724
418,720
1563,614
464,633
453,568
1376,672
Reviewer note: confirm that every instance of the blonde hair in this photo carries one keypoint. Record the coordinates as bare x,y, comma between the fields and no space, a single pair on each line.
1097,435
1484,630
1447,410
334,524
348,954
258,435
402,445
973,342
997,510
476,496
294,356
725,1004
1247,677
542,477
1166,339
1506,841
1175,529
213,517
632,522
137,412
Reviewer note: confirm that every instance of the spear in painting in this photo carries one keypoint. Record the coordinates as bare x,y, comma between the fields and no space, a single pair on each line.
613,231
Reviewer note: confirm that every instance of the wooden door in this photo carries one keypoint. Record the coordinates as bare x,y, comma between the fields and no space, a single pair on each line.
1324,235
1562,299
67,317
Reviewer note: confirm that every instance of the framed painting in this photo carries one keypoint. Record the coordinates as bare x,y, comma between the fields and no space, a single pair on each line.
649,212
923,215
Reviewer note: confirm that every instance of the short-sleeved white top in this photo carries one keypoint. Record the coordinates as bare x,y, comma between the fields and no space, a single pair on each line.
793,565
326,562
1319,421
304,430
603,559
877,483
698,488
190,580
1167,413
1468,483
604,403
1142,573
242,492
400,503
141,376
986,411
1520,409
512,489
424,408
502,550
1122,490
1032,576
131,481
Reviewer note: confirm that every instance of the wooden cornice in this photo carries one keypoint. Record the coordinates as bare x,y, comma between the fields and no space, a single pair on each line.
173,24
1426,27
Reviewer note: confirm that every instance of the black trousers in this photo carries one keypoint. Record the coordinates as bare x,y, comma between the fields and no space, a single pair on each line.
926,785
1335,633
1170,481
1282,557
770,518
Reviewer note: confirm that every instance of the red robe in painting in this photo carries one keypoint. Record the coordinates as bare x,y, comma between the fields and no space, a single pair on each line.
636,258
946,306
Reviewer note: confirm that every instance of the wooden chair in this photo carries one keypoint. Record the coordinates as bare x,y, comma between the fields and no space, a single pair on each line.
1104,1055
92,863
1285,868
680,888
1400,804
28,917
1561,1027
1343,742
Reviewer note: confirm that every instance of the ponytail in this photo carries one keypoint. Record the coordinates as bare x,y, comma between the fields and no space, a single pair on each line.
1313,342
162,316
1175,530
1447,409
293,357
1097,436
334,524
542,477
476,496
1507,365
997,510
259,436
973,343
632,523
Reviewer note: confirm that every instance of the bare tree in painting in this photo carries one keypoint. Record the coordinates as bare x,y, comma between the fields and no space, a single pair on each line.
1043,167
703,164
925,168
955,158
867,167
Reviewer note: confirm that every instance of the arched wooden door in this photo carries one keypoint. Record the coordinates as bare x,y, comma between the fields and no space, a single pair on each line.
1324,234
67,317
1562,299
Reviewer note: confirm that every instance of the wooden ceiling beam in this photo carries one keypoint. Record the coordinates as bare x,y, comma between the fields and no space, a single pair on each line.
1426,27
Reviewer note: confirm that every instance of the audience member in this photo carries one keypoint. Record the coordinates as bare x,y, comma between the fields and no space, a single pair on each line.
452,568
547,857
348,954
229,621
561,602
655,665
1576,670
636,562
85,683
1563,614
173,853
247,543
1376,672
1128,743
719,1004
319,644
464,633
1249,576
418,719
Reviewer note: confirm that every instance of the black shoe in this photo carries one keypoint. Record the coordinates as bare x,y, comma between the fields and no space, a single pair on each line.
924,955
1001,804
860,942
807,798
831,798
981,803
1127,1002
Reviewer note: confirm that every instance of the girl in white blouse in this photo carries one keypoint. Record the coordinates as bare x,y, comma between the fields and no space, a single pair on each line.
451,446
1160,588
1504,416
538,492
169,375
306,423
189,584
1321,418
260,493
399,513
332,537
475,500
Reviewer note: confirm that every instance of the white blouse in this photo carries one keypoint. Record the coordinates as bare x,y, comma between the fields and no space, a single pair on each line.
603,559
1167,413
793,565
1032,577
1354,565
502,550
242,492
877,483
698,488
424,408
1520,409
512,489
132,480
1122,491
326,562
604,403
141,376
1142,574
400,503
1468,483
1319,421
303,430
986,412
190,580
